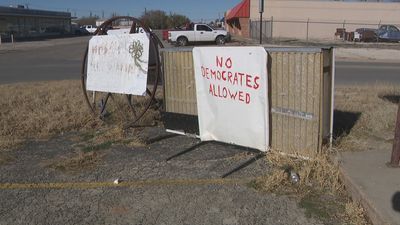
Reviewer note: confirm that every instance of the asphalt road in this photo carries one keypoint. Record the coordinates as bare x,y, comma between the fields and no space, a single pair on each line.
58,61
350,73
63,61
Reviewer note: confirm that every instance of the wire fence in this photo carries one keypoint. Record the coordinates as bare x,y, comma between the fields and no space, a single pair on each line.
307,29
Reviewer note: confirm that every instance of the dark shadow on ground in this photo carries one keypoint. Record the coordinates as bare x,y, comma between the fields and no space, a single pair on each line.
344,122
391,98
396,201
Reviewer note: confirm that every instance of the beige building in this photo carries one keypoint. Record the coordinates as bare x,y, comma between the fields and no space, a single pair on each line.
312,19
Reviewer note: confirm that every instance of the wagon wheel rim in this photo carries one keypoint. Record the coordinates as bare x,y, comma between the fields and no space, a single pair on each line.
155,43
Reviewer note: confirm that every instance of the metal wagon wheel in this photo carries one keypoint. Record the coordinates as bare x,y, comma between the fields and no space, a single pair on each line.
138,105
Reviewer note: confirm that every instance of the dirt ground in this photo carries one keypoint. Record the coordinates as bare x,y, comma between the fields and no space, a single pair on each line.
39,184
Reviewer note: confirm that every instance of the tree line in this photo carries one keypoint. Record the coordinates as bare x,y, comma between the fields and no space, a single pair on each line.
155,19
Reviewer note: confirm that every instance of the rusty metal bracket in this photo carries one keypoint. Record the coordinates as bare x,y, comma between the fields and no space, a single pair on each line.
155,44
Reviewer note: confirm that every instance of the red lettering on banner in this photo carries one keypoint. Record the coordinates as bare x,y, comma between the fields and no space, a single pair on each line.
213,73
228,63
241,78
241,96
203,71
233,96
248,81
219,62
230,77
235,79
256,84
223,75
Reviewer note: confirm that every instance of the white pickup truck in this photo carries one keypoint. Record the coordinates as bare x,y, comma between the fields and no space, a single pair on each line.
198,33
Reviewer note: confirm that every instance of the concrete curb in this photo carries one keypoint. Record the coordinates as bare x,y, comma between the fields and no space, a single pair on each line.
358,195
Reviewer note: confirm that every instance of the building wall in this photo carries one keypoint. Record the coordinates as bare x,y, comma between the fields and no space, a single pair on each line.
33,23
290,17
239,26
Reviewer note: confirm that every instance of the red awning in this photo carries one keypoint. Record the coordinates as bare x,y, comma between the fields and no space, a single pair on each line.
242,10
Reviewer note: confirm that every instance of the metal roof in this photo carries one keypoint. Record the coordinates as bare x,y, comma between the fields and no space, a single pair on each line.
242,10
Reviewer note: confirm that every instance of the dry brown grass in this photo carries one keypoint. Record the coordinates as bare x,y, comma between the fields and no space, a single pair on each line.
319,173
320,190
375,125
355,214
45,109
40,110
81,161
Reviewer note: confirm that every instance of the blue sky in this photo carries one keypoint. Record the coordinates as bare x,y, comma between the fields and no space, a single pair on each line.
195,9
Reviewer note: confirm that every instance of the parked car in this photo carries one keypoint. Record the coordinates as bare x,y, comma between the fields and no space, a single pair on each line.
366,34
76,30
90,28
198,33
388,33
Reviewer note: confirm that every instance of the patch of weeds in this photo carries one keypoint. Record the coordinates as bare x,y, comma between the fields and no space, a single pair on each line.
355,214
5,159
102,146
254,184
317,206
318,177
82,161
87,136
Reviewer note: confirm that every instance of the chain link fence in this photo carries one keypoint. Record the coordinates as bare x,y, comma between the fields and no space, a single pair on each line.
309,29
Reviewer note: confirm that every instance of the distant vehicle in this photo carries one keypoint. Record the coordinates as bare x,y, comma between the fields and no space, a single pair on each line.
90,28
198,33
81,31
366,35
388,33
76,30
118,31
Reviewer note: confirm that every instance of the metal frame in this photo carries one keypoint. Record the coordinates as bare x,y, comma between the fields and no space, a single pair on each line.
155,43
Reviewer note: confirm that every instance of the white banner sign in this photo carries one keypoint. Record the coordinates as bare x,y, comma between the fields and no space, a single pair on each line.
232,102
118,63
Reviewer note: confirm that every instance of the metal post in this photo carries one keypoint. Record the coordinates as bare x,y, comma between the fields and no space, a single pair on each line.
308,21
272,27
261,10
260,28
344,32
395,159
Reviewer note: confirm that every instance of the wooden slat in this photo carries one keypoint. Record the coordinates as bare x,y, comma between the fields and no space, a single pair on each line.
292,142
274,99
297,103
310,100
279,75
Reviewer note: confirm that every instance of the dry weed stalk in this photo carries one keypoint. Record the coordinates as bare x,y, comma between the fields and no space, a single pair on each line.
375,125
355,214
317,172
44,109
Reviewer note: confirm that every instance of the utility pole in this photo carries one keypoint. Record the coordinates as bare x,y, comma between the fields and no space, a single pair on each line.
261,10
